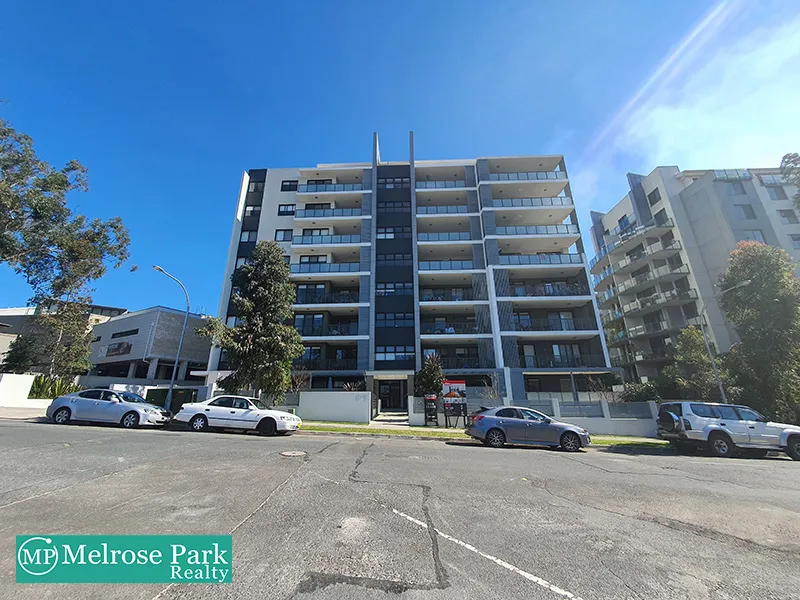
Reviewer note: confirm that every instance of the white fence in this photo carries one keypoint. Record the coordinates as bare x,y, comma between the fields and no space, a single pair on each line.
14,390
323,405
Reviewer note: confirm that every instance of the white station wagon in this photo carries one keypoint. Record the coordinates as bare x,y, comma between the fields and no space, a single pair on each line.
237,412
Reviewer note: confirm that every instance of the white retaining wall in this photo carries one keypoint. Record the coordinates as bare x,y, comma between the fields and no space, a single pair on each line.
351,407
14,390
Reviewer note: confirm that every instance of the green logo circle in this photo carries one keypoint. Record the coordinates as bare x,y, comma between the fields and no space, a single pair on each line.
37,556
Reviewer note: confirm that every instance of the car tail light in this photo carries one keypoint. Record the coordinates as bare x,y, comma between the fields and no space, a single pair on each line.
476,418
686,425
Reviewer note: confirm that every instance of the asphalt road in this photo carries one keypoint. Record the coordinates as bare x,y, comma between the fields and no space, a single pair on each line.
375,518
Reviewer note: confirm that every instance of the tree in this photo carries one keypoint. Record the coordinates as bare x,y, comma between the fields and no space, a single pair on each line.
639,392
430,378
766,313
23,353
790,169
490,392
260,349
602,385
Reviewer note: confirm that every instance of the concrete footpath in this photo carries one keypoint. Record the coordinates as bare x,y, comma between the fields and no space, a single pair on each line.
21,414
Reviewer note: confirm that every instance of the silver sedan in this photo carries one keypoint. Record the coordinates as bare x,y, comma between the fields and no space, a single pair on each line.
519,425
107,406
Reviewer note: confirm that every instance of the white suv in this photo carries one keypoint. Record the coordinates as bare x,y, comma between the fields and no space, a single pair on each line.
725,428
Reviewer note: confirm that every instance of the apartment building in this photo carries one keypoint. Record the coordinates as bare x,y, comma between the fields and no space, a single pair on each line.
660,251
479,261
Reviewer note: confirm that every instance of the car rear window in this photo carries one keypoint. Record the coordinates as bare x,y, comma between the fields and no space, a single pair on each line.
508,413
673,408
704,410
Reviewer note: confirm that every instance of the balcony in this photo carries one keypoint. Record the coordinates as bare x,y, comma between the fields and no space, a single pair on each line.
330,330
528,176
651,252
445,236
465,362
611,317
659,327
564,229
448,295
440,185
325,364
452,328
549,290
322,213
327,298
602,280
304,188
665,273
563,362
446,265
306,240
451,209
541,259
554,325
346,267
617,338
656,301
530,202
666,354
633,234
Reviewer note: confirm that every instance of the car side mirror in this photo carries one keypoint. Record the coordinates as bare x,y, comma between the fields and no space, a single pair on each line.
548,420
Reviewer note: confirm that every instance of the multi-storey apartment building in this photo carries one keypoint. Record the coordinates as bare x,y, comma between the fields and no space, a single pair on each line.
661,249
478,260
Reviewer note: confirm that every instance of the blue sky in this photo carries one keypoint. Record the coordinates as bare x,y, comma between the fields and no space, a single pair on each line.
167,103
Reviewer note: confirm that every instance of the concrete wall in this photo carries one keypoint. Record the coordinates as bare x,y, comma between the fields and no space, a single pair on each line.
14,389
351,407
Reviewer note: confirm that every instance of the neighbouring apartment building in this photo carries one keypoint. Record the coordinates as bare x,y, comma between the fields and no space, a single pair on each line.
660,251
479,261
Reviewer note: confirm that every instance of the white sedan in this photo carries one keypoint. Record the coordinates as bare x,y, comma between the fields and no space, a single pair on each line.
237,412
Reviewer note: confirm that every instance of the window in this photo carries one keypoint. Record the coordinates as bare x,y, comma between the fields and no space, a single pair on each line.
388,183
241,261
508,413
224,402
386,353
283,235
92,394
287,259
704,410
735,188
394,207
319,182
318,206
748,414
677,409
232,321
393,260
795,239
392,233
286,210
727,412
125,333
316,231
654,197
394,289
788,217
96,339
109,396
289,185
256,186
242,403
248,236
755,235
309,324
252,211
745,211
532,415
394,320
776,192
307,258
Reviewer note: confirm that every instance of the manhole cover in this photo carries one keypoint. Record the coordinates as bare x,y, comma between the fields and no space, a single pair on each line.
293,453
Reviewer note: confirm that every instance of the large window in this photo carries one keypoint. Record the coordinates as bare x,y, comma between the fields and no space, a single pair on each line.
286,210
735,188
126,333
386,353
654,197
745,211
256,186
388,183
248,236
283,235
795,240
317,206
391,233
776,192
394,289
319,182
316,231
393,260
289,185
252,211
755,235
394,207
311,258
788,217
394,320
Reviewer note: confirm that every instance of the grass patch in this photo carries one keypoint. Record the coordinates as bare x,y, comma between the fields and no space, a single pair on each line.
619,440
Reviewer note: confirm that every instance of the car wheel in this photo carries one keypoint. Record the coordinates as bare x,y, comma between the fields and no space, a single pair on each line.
495,438
129,420
721,445
267,427
62,416
198,423
793,447
570,441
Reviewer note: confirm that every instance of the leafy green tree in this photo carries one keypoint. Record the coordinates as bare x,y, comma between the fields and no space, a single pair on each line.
430,378
766,313
260,349
790,169
23,353
640,392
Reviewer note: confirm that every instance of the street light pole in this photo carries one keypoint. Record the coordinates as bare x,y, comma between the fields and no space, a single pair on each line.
741,284
168,403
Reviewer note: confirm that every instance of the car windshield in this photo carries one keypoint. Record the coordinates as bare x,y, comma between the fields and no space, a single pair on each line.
131,397
259,404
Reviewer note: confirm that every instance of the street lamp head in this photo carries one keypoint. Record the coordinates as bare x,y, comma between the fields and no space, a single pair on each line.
742,284
157,268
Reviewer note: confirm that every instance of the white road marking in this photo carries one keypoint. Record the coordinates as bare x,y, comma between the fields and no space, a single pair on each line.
498,561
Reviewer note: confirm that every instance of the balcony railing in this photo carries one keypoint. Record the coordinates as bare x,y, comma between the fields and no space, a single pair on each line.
466,362
527,176
651,249
658,299
541,259
658,354
451,327
326,364
327,212
330,187
332,329
661,326
537,229
550,290
444,236
443,210
651,276
445,265
329,298
431,185
611,316
560,362
448,295
530,202
617,337
327,239
553,324
347,267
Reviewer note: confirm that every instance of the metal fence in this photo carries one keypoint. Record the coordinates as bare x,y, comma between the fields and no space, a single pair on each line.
580,409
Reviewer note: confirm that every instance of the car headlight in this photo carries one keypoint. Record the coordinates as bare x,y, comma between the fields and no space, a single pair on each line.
283,418
152,411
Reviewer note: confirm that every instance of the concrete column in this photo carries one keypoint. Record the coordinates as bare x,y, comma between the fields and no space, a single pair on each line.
182,368
132,370
604,407
653,409
556,408
152,369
